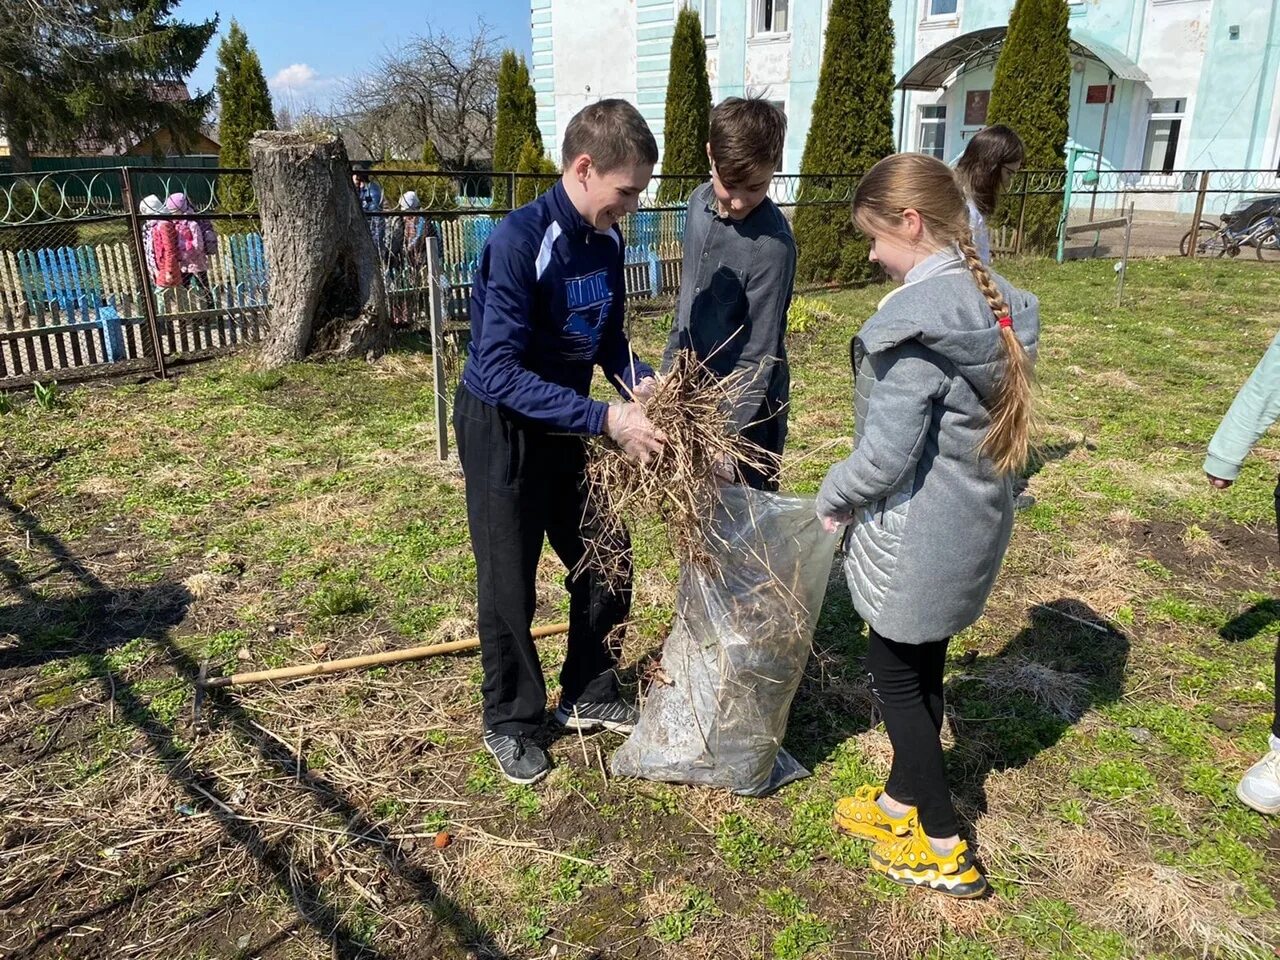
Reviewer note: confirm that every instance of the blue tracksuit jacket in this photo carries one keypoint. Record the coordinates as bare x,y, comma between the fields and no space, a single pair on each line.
546,307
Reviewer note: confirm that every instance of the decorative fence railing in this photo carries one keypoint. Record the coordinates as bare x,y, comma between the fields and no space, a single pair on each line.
77,296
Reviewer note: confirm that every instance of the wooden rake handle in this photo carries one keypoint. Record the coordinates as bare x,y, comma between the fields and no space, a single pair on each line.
372,660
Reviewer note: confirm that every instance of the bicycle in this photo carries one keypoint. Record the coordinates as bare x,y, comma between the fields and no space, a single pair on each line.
1222,241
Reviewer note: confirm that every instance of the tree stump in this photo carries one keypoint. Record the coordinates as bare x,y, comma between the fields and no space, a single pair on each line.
327,295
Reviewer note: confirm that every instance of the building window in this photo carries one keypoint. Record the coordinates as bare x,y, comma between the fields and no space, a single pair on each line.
1164,123
771,16
707,11
943,8
933,131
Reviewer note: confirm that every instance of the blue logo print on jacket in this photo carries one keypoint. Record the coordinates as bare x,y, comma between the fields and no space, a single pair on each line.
546,307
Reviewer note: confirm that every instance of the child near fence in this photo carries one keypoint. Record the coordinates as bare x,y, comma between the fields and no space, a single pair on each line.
738,272
942,404
985,169
195,240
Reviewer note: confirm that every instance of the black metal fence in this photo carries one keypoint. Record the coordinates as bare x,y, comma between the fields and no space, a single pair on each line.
82,291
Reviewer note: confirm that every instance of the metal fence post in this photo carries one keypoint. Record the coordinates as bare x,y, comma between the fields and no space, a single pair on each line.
1022,216
1124,260
435,286
140,266
1193,244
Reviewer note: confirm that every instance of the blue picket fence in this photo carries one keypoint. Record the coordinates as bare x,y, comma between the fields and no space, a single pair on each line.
74,306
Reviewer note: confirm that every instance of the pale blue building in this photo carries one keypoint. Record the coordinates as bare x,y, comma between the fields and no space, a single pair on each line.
1158,85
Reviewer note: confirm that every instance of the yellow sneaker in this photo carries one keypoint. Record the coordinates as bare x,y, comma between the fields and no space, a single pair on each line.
862,816
912,861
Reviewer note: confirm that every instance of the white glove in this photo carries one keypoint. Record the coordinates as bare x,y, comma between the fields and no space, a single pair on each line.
644,389
628,427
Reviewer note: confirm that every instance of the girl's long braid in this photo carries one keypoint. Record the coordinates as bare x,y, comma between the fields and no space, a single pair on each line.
1008,439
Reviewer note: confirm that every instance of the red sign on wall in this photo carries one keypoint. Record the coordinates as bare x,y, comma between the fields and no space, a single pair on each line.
1100,93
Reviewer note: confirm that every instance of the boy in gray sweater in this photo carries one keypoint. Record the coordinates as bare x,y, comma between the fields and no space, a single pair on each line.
739,270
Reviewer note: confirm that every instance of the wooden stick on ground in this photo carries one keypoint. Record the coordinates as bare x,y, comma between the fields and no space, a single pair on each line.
372,660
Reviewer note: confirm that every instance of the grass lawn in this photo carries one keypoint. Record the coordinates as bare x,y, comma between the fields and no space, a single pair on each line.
1099,714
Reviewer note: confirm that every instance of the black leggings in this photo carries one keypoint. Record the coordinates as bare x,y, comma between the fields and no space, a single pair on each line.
1275,719
906,679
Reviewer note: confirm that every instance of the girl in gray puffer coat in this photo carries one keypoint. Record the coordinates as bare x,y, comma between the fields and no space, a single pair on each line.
942,402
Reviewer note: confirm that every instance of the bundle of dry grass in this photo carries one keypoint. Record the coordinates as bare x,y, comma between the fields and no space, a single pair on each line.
693,407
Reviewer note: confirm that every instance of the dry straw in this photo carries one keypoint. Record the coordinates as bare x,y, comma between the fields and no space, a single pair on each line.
680,486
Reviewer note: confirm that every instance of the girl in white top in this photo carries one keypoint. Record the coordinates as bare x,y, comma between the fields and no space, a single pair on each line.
985,169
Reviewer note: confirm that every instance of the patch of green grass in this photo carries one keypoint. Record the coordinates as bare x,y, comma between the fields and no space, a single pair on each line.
224,643
674,927
1071,811
524,800
339,600
1153,567
1229,855
575,877
264,381
1114,779
741,845
954,947
483,778
129,654
389,808
801,937
1053,929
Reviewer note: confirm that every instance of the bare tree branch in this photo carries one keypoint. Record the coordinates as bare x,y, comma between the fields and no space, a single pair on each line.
436,87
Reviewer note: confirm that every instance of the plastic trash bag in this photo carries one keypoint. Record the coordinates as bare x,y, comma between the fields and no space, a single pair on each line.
717,712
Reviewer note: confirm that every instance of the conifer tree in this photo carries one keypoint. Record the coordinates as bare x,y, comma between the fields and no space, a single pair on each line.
1032,94
517,120
533,160
688,113
851,129
245,104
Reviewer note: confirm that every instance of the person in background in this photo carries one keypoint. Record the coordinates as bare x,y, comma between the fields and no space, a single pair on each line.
408,234
739,270
986,168
196,242
1251,414
159,234
370,195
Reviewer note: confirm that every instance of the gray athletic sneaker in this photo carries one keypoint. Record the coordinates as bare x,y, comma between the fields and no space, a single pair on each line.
519,758
1260,786
615,715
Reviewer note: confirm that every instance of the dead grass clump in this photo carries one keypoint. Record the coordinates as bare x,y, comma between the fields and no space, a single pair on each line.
1060,692
693,408
1156,903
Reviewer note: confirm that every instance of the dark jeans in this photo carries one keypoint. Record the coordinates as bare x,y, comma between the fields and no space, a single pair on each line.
524,484
906,679
770,434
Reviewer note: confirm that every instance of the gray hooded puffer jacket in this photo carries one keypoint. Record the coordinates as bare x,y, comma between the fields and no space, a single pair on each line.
931,515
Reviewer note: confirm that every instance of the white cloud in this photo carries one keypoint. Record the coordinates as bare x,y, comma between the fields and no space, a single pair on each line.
296,78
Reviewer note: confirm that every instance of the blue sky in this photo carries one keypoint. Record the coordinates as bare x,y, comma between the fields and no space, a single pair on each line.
308,48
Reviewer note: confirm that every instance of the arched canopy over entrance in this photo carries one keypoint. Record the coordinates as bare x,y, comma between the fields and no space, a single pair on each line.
971,51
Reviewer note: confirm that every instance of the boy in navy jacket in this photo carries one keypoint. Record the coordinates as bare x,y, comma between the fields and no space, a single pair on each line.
546,308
